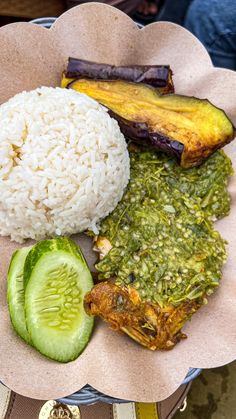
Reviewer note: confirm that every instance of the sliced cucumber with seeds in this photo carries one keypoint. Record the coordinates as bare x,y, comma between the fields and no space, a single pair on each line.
15,292
56,278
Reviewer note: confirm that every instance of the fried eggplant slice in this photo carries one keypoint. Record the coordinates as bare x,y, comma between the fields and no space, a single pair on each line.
187,128
160,257
158,76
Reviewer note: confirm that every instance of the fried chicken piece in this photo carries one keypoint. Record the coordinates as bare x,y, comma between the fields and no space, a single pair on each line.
147,323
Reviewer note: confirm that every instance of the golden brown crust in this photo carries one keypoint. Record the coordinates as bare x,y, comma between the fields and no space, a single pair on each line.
147,323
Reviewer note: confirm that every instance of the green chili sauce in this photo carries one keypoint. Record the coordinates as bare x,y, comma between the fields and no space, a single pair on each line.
163,240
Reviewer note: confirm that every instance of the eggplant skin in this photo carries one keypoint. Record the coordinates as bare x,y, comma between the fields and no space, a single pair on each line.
158,76
147,323
138,132
188,128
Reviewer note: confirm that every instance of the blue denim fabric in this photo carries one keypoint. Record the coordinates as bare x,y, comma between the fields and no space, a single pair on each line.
174,11
211,21
214,23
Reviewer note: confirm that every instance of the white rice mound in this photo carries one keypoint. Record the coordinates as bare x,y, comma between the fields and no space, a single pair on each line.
64,164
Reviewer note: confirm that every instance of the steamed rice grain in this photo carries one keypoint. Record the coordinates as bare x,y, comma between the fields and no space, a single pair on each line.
64,164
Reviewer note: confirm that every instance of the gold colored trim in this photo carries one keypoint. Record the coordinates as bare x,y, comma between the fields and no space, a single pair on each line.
54,410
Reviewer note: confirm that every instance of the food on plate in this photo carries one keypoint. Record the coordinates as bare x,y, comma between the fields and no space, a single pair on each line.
158,76
64,164
187,128
65,168
56,278
16,294
160,255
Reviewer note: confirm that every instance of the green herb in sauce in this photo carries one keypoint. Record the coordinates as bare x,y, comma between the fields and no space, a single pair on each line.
162,235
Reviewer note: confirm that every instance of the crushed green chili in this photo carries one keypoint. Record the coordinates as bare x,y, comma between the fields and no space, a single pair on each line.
163,240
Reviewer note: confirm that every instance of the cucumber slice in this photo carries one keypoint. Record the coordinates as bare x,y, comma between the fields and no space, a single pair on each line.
57,277
15,292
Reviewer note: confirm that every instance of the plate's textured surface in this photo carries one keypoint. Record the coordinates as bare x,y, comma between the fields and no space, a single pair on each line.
31,56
